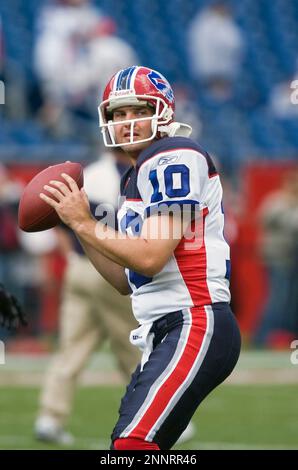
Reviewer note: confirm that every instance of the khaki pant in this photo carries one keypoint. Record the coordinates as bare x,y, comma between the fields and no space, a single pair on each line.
91,311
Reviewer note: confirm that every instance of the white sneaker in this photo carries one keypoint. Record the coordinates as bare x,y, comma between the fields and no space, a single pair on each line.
48,430
188,433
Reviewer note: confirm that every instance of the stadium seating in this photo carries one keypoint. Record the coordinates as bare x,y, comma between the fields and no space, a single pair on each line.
157,30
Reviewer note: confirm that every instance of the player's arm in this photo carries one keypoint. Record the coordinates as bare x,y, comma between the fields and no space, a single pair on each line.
146,254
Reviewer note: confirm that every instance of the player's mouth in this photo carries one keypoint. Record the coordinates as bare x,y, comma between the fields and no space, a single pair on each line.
126,135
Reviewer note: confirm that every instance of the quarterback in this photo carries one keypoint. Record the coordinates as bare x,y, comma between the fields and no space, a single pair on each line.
169,254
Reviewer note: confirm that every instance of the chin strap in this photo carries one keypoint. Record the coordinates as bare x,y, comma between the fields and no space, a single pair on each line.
175,129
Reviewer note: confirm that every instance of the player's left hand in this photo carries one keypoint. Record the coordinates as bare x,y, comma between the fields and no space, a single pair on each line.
70,202
11,313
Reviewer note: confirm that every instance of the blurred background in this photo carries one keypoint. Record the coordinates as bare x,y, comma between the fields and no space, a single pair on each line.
233,67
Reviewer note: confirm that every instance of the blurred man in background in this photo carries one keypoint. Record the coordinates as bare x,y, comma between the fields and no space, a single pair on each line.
91,312
279,248
215,48
76,51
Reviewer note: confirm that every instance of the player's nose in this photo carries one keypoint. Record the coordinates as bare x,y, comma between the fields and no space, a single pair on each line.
130,115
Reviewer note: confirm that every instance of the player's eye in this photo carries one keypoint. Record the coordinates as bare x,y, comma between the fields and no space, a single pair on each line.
141,112
118,116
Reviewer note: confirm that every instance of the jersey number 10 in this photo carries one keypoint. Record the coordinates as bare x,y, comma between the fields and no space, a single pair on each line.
171,192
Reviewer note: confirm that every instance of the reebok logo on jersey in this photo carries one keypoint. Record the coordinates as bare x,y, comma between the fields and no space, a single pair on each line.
166,160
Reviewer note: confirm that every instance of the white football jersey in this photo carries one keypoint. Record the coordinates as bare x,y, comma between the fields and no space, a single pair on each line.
174,172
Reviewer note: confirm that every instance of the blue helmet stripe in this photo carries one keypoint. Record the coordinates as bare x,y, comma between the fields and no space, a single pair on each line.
119,80
124,77
129,76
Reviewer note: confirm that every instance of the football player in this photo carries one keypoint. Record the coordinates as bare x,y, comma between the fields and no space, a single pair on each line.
170,254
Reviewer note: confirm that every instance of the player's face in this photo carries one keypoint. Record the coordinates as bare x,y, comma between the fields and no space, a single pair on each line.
142,129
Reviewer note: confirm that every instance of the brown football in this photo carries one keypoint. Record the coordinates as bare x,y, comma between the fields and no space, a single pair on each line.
36,215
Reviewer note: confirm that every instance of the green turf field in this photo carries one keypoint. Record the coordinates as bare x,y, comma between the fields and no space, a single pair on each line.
232,417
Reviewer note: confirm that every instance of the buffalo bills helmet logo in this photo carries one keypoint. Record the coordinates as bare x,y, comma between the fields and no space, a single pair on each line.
161,84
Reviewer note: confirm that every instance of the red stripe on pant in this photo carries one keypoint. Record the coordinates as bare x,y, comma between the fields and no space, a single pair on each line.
134,444
177,376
